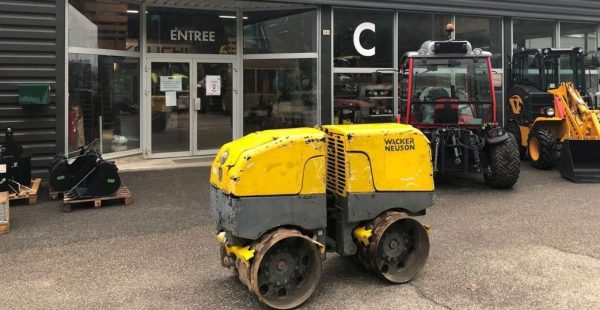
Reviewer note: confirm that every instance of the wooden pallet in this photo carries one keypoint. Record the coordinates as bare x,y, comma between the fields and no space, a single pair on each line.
54,195
4,219
31,195
123,195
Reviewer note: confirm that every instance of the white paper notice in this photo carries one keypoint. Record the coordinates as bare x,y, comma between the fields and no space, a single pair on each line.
171,98
171,83
213,85
3,168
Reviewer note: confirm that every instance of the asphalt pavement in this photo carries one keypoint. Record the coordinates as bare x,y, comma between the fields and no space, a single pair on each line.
536,246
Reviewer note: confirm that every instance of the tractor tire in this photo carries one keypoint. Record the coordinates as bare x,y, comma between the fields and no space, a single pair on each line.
515,130
505,164
541,149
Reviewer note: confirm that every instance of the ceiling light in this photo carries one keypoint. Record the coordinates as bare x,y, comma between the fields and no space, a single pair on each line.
231,16
133,11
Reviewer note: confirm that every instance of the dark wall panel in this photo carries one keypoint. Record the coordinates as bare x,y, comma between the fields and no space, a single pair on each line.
579,10
32,51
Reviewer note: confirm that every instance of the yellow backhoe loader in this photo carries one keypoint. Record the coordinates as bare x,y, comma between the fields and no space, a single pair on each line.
549,113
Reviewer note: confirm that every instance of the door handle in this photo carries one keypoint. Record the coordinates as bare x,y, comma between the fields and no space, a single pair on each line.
198,104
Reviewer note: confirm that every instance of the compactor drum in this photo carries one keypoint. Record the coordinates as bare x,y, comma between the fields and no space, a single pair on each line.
281,199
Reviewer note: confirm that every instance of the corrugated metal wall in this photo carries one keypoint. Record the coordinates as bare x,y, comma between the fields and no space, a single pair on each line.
580,10
32,51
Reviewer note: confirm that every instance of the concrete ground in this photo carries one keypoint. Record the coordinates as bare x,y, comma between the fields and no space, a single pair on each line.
534,247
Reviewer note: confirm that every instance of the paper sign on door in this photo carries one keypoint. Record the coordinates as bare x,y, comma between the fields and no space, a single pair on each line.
170,98
171,83
213,85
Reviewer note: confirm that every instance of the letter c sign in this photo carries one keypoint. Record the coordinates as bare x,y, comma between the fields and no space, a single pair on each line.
359,30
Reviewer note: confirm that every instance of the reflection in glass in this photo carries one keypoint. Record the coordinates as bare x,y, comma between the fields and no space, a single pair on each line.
363,98
579,35
104,89
186,31
482,32
284,31
279,93
104,24
214,116
379,42
584,36
533,34
450,91
170,109
416,28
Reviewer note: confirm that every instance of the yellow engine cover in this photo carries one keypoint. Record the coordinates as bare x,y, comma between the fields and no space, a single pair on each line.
272,162
377,157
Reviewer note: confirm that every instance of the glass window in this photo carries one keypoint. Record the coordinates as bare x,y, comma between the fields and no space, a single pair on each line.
171,30
363,38
363,98
579,35
450,91
279,93
533,34
104,102
416,28
285,31
104,24
482,32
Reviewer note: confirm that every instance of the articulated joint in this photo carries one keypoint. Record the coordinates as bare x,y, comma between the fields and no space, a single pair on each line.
362,234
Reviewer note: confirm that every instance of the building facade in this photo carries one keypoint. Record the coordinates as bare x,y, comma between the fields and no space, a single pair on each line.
168,78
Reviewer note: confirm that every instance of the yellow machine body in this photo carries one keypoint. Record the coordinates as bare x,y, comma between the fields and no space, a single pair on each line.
576,127
378,158
281,198
272,162
573,120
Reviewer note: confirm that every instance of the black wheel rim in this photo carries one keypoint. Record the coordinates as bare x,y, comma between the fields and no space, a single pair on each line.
289,273
402,251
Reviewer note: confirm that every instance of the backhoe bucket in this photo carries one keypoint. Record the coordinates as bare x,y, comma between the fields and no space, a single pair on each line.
580,161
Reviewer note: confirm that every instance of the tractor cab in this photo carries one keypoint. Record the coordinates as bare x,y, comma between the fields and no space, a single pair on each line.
447,83
447,91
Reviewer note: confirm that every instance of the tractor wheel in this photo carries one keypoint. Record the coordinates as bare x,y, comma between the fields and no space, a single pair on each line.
285,270
505,164
541,149
398,248
514,128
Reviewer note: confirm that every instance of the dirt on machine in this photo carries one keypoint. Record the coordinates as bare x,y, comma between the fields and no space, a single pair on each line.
447,91
552,113
282,199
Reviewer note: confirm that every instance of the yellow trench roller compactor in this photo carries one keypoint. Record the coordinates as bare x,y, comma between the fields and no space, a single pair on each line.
283,198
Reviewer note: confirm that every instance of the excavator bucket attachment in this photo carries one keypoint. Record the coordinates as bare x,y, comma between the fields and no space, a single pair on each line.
580,161
103,181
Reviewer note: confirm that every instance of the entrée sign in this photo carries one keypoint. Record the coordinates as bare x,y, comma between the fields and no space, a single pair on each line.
192,35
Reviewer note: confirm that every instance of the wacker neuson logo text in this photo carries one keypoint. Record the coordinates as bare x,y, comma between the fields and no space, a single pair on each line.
399,145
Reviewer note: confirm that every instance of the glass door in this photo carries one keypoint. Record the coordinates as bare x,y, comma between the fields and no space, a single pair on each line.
214,103
170,101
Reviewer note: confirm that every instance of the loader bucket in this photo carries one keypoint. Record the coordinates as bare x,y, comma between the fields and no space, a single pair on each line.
580,161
